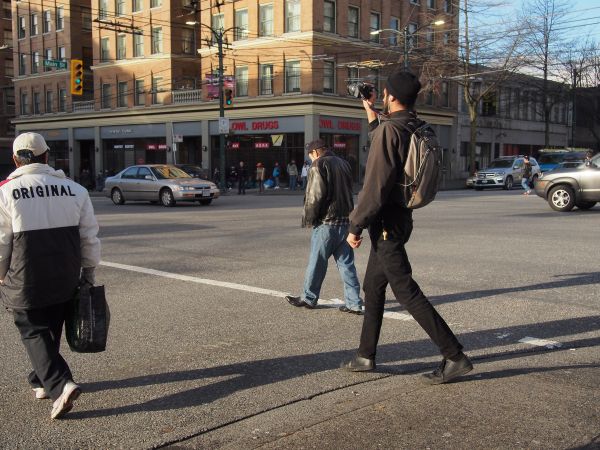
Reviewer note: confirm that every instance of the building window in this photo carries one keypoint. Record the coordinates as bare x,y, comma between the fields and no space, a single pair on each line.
47,57
218,22
329,77
120,7
49,102
21,27
24,104
266,79
22,63
121,45
156,90
46,22
104,49
62,54
137,5
106,96
394,25
35,62
241,24
241,81
157,43
431,4
155,3
412,36
374,25
329,16
448,6
122,94
353,74
430,35
292,15
138,45
266,20
36,103
187,41
429,97
292,76
353,22
414,2
60,18
34,28
140,94
102,9
445,97
7,10
62,100
446,38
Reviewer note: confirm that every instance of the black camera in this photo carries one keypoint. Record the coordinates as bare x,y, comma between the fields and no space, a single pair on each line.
360,89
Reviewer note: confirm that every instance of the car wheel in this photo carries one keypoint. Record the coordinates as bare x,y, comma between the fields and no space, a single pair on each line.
585,205
117,196
206,202
508,184
166,197
561,198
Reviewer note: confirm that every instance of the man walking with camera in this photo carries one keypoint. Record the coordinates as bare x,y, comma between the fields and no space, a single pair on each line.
48,245
381,209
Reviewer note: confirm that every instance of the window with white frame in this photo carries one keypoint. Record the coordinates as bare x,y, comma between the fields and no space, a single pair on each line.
187,41
49,102
138,45
241,25
34,28
35,62
412,35
36,103
122,94
140,94
62,100
137,5
157,96
106,94
266,79
241,81
155,3
120,7
60,18
292,76
157,40
104,49
394,25
46,21
24,103
329,16
102,9
374,25
430,35
353,21
292,16
218,25
446,38
121,46
21,27
329,77
353,74
62,54
265,13
47,57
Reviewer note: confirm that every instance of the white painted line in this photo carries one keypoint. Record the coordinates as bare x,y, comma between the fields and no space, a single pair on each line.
240,287
540,342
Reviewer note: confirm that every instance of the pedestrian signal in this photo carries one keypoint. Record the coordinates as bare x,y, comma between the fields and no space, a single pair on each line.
76,77
228,97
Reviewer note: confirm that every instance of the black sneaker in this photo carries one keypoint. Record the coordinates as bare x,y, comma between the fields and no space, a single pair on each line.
345,309
358,364
298,302
449,370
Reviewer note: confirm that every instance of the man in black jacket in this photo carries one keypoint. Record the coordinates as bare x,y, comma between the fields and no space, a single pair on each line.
327,205
381,209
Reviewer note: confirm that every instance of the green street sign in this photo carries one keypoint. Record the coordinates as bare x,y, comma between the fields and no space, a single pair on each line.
56,63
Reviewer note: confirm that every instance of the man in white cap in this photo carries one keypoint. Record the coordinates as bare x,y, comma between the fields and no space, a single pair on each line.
48,245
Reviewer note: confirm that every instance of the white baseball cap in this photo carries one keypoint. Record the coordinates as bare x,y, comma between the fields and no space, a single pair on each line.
33,142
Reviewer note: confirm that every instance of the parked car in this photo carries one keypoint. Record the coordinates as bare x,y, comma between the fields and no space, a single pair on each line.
505,172
569,164
470,181
194,171
162,183
551,161
566,188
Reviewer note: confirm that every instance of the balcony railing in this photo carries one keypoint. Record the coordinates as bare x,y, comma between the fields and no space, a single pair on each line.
187,96
83,106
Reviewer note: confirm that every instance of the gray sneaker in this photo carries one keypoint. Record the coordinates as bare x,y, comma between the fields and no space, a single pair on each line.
40,393
64,403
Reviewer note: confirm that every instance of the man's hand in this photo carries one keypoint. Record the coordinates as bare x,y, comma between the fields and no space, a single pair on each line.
369,105
354,240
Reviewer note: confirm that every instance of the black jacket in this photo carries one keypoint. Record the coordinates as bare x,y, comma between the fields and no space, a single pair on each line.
380,203
328,190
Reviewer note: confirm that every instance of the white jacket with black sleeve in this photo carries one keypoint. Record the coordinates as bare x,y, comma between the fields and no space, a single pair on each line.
48,232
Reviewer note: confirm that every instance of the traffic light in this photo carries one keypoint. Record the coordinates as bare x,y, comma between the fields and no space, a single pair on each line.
228,97
76,77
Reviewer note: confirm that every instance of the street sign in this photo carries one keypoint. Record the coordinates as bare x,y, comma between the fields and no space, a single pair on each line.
177,138
56,63
223,125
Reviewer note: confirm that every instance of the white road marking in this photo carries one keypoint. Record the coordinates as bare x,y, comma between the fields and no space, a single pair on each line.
240,287
540,342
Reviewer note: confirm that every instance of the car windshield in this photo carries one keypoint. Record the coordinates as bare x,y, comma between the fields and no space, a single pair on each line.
500,164
551,159
165,172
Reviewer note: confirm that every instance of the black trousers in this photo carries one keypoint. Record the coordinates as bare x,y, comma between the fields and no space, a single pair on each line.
388,263
41,330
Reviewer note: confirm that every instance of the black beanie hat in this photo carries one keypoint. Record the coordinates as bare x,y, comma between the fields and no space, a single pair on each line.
404,86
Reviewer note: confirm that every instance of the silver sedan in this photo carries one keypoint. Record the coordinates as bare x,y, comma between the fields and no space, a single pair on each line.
155,183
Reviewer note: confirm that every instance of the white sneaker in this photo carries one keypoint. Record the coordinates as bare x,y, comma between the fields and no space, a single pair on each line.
64,403
40,393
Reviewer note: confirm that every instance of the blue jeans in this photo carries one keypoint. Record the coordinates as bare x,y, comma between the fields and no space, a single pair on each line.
525,184
293,179
326,241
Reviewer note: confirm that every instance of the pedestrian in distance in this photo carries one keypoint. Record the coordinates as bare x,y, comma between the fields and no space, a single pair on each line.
242,177
327,205
381,208
48,245
304,173
260,177
292,171
527,170
276,174
588,158
231,177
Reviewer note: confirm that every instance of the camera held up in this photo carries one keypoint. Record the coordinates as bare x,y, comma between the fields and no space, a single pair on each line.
360,89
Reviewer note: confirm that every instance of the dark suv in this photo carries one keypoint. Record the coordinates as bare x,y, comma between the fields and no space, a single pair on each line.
567,188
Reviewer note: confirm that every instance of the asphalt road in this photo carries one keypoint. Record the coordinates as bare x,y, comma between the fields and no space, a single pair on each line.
204,352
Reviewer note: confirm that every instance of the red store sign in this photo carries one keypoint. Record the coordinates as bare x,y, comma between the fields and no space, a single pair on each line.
340,124
234,145
255,125
261,145
339,145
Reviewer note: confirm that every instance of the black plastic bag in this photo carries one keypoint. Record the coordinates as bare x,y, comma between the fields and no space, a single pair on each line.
86,326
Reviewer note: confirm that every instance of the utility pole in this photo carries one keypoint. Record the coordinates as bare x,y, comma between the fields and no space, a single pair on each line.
219,38
573,100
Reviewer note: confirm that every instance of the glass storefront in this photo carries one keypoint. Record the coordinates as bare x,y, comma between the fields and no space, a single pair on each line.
345,146
121,153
